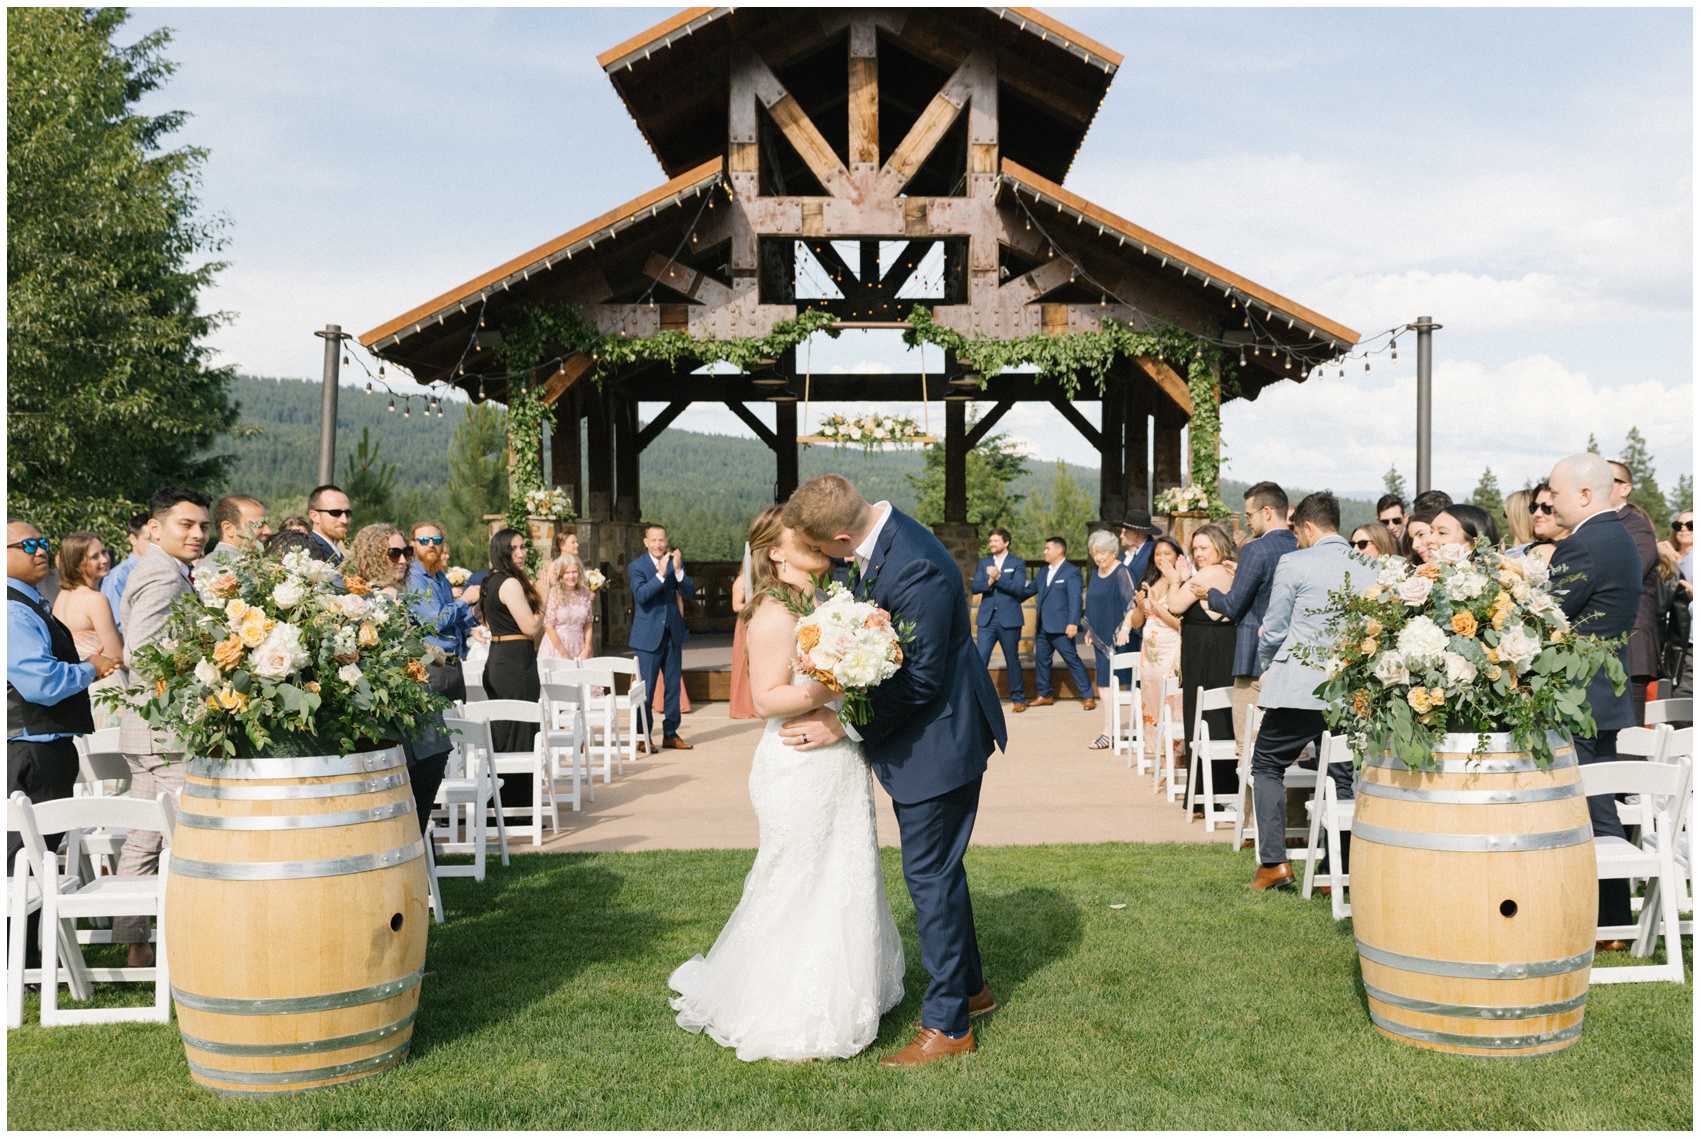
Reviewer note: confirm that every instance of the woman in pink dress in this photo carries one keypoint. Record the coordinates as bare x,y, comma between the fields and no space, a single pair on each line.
567,613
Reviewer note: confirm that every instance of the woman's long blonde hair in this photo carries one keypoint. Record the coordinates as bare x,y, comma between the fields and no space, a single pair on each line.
557,574
765,533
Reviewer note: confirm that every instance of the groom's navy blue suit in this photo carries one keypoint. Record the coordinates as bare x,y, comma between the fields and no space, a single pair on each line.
934,724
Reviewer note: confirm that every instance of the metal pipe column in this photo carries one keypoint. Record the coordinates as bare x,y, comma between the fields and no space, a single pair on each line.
1425,328
333,336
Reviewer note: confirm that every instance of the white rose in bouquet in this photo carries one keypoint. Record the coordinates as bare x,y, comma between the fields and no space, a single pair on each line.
288,594
1391,669
281,653
1452,553
1414,591
207,672
1459,670
1517,645
1421,641
349,674
350,606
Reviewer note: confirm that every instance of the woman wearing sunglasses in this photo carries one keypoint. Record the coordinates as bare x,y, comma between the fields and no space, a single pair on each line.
1373,539
1544,523
380,555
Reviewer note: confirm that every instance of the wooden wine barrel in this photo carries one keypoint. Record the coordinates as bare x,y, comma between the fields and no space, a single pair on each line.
1474,899
295,919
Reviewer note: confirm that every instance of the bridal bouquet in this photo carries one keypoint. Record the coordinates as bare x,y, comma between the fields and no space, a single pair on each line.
594,579
1473,640
274,656
849,645
458,576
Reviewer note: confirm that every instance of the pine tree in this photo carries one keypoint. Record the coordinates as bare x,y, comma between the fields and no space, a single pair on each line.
990,466
1593,444
1646,493
368,481
1682,494
1065,512
478,482
1395,483
1487,496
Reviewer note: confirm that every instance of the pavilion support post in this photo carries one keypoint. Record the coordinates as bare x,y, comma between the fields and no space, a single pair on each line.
1111,455
958,535
566,449
628,505
599,485
1136,425
1166,461
784,450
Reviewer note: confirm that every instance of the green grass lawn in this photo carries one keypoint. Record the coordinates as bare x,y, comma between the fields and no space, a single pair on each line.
1196,1006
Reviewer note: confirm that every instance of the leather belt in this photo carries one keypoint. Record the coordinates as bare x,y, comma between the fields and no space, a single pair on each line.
515,636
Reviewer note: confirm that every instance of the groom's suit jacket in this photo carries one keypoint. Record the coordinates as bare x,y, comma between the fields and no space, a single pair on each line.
935,722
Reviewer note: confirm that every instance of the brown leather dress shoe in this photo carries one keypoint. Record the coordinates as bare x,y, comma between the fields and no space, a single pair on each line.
1088,704
675,744
929,1046
1273,877
1610,945
1042,701
1018,708
645,747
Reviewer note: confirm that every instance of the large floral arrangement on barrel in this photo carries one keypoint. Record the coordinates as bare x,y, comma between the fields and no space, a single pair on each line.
271,656
1472,641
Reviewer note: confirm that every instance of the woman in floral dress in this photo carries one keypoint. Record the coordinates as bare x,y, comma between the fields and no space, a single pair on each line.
1161,650
567,613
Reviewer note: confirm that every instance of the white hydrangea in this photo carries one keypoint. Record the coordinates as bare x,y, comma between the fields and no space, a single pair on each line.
1465,585
1393,570
1422,641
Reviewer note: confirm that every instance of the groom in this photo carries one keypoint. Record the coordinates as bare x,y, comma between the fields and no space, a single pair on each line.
934,724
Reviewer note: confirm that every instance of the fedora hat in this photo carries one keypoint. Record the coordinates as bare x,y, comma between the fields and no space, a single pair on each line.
1140,522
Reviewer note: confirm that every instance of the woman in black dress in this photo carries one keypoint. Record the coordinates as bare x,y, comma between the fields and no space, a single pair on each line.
1207,649
515,617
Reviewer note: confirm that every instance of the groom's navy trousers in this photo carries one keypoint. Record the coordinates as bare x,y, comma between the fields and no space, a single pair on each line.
935,834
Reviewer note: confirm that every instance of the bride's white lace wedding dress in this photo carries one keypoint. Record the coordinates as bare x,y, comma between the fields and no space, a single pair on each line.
810,959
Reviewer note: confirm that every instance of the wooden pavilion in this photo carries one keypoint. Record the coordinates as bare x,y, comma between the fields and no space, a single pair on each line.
859,161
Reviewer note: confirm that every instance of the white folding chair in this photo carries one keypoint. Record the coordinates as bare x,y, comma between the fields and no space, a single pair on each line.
472,672
1171,743
568,737
601,712
1678,712
111,895
534,762
30,868
431,875
1217,807
1127,711
472,787
101,772
1330,816
635,701
1678,747
1616,858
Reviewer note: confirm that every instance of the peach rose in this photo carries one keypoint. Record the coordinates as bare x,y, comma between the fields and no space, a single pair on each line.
356,585
417,671
226,585
808,636
1464,623
368,636
228,653
1429,569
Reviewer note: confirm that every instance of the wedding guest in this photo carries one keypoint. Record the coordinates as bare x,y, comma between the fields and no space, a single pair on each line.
1136,534
1419,538
47,697
1111,616
1160,651
1603,600
567,615
447,620
1430,502
293,540
1000,582
177,534
378,555
1644,639
239,522
329,511
84,609
513,612
1244,603
766,528
295,523
1390,512
113,586
658,580
1292,713
1057,590
1548,532
564,543
1679,625
1372,539
1208,640
1519,525
1462,524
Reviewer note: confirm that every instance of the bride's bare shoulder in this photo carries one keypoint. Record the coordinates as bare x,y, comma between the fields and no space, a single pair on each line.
771,618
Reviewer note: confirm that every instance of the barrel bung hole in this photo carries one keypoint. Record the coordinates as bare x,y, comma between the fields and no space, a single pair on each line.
1508,908
395,921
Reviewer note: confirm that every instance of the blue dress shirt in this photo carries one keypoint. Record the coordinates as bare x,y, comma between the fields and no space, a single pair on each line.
113,587
447,621
30,664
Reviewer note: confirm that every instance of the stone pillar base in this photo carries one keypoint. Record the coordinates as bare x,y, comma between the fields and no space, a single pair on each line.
962,539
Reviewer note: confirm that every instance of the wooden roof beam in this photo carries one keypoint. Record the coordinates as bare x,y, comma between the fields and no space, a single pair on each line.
661,422
802,133
1079,422
937,117
569,373
1051,275
761,429
989,420
685,280
1168,380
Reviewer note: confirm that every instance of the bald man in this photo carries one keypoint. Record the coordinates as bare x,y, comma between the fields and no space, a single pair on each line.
1603,602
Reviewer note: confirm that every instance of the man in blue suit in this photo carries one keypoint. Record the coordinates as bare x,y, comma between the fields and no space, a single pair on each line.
1604,602
658,581
1001,582
1248,599
1060,590
934,725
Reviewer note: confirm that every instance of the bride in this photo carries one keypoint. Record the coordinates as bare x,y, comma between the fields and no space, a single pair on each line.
810,959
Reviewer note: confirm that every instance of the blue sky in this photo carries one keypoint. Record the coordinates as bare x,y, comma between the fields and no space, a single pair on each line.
1523,175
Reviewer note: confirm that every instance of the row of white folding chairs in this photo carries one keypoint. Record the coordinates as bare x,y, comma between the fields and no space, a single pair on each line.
1147,747
617,722
37,885
1664,790
1661,743
1677,711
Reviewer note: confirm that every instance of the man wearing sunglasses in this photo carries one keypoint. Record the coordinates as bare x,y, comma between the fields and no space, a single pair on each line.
1390,512
447,621
331,513
47,697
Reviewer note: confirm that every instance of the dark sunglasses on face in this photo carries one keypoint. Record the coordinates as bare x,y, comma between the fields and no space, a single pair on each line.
336,513
1397,520
438,540
1540,508
1687,526
395,554
31,545
1361,546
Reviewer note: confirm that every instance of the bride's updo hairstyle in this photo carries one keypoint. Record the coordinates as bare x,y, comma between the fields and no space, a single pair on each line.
765,533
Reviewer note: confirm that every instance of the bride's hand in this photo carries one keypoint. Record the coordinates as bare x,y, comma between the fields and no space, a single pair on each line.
818,728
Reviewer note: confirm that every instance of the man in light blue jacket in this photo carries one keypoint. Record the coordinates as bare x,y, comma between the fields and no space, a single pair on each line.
1292,712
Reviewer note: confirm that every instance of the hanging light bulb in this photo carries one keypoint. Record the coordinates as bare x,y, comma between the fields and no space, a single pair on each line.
481,389
1342,371
439,408
1242,357
1395,346
368,387
392,403
1102,300
407,410
345,359
1366,365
